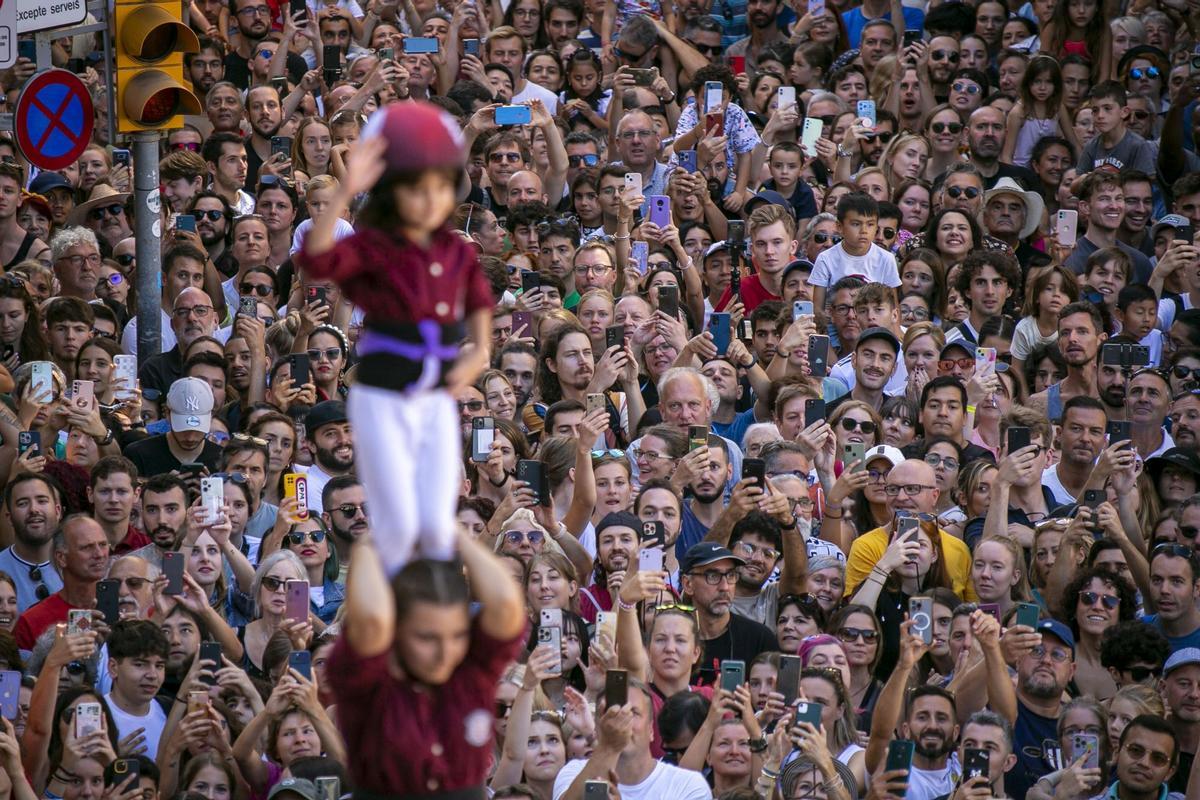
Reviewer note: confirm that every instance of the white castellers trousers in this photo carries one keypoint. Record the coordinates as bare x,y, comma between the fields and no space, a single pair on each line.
408,453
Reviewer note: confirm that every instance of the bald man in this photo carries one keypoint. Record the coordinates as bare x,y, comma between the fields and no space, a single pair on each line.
523,187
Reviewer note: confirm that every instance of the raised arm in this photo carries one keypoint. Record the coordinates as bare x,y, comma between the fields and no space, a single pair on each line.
503,608
891,699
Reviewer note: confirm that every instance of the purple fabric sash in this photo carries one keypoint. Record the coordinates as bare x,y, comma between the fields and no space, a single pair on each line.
372,342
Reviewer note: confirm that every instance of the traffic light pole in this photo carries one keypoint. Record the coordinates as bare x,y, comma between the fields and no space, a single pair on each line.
147,203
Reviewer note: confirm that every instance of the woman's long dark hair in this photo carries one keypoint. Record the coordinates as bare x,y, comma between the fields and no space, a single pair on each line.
33,346
64,700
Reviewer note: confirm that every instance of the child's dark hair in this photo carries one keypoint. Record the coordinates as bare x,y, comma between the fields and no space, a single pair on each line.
1039,66
381,210
858,202
583,57
426,581
1109,90
1134,293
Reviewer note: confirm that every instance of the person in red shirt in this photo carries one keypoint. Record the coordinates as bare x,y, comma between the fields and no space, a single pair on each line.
112,491
771,230
81,555
417,678
418,283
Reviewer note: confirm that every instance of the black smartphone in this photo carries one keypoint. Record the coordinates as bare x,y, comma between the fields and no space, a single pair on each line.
27,48
29,440
814,410
616,688
818,355
975,763
668,301
120,157
810,713
172,566
531,473
185,222
1118,431
332,63
300,371
614,336
301,661
900,755
788,681
911,37
108,601
280,84
1018,437
654,534
471,47
211,651
1092,498
1187,233
125,767
298,7
755,468
281,145
530,281
76,65
316,295
595,790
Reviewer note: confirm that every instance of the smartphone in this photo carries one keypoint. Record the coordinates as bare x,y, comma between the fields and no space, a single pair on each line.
733,674
606,625
27,48
614,336
511,115
900,755
471,47
83,394
280,85
281,145
1118,431
660,210
809,712
818,355
654,534
719,325
332,63
211,651
298,7
801,308
1093,498
329,788
296,485
172,565
41,379
697,437
650,559
29,440
316,296
975,763
120,157
531,472
87,719
643,77
125,374
595,790
550,618
633,183
911,37
714,96
737,64
736,234
197,701
687,161
814,410
108,601
483,433
906,526
1087,745
247,306
297,600
715,120
1027,614
920,611
787,683
552,638
522,324
1187,233
531,281
640,253
991,609
301,661
422,44
787,97
816,8
812,130
387,53
854,451
596,402
1018,437
616,688
755,468
866,112
123,768
212,497
1066,227
985,360
668,301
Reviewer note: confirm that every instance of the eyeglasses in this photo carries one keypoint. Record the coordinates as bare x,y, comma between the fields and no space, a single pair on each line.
848,635
35,574
947,364
470,405
613,453
212,214
747,550
297,538
258,11
350,510
717,578
629,136
93,259
272,584
1110,601
586,160
500,158
958,191
1140,674
941,127
594,269
1183,372
328,354
1057,654
934,460
1140,113
944,55
516,537
1137,73
648,455
199,311
966,88
877,475
822,238
910,489
866,426
115,210
115,279
260,289
125,259
883,136
1137,753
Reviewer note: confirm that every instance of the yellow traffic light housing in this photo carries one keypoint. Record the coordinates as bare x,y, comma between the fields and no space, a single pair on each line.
151,40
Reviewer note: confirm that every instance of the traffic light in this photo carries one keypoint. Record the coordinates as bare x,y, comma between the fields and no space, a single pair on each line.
151,40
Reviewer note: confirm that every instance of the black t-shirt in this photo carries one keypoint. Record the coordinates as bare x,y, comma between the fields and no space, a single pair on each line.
152,456
742,640
237,69
1027,178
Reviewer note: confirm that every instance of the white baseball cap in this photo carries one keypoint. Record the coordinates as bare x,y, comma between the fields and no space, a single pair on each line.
190,402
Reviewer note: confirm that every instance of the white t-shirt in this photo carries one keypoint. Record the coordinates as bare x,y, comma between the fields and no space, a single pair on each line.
1166,311
1052,482
876,266
152,723
534,92
926,784
843,370
1027,336
666,781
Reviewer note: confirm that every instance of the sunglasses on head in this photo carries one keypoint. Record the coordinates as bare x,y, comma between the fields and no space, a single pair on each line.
958,191
941,127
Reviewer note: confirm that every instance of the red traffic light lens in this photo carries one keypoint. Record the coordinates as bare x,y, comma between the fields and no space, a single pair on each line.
160,107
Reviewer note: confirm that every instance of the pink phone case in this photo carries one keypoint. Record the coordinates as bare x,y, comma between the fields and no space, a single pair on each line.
297,600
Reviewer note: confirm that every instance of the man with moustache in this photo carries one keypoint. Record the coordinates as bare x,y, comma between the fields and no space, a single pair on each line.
345,504
332,443
1181,695
1080,335
192,316
617,546
81,556
164,516
985,141
1111,380
1082,439
1185,419
33,507
213,215
710,471
265,114
876,355
1139,209
709,573
518,362
135,594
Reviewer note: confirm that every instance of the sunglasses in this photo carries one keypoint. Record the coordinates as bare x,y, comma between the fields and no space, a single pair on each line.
958,191
212,215
500,158
350,510
882,136
1140,113
848,635
941,127
125,260
115,210
1110,601
707,49
1140,674
944,55
587,160
866,426
35,574
1183,372
516,537
477,405
272,584
328,354
260,289
296,539
1137,73
888,233
966,88
822,238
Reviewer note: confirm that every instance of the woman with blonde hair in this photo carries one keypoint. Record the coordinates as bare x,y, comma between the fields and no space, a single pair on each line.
998,573
1130,701
311,148
922,346
904,158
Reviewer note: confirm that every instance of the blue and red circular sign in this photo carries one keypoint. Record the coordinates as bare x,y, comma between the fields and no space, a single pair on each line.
53,119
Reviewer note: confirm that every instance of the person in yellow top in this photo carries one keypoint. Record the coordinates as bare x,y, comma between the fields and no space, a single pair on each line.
911,488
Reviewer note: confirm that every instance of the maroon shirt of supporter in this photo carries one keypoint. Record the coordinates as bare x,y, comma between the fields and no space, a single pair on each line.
411,739
395,280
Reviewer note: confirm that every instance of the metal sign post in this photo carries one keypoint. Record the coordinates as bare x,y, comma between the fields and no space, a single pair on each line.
147,203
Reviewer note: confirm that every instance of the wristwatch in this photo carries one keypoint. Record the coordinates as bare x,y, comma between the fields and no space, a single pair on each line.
753,361
108,437
843,153
758,745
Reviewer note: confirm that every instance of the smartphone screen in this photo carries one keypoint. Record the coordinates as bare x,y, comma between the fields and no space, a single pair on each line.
172,563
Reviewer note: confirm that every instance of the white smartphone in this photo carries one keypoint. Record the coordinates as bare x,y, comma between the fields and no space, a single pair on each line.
87,719
714,93
1067,227
212,497
650,560
816,8
809,134
125,376
41,380
551,617
787,97
633,183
